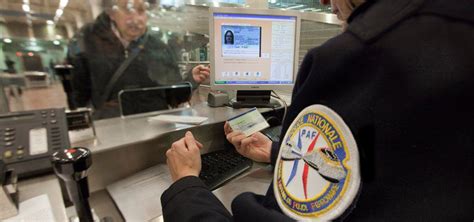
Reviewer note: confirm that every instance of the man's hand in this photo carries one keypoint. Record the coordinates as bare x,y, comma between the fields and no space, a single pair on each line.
184,158
201,73
256,147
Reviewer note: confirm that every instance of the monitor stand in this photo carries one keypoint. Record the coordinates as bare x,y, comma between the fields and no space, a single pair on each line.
254,98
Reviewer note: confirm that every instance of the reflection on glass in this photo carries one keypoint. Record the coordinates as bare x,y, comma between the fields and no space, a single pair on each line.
167,39
301,5
119,51
142,100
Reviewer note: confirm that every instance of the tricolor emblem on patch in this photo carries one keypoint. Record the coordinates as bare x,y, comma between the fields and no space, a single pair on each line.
317,171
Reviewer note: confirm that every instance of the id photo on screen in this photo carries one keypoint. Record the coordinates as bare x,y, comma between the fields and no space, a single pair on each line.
241,41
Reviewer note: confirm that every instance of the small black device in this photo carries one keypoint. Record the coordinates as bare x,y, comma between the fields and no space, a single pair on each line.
273,133
142,100
28,138
221,166
71,166
254,98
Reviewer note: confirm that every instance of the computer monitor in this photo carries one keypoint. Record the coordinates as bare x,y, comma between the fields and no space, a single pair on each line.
253,51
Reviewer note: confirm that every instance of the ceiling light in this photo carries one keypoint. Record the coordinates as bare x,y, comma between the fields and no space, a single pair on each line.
63,3
156,29
295,7
50,22
56,42
7,40
59,12
25,7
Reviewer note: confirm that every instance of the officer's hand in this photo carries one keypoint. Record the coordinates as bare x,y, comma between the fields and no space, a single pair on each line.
184,158
201,73
256,147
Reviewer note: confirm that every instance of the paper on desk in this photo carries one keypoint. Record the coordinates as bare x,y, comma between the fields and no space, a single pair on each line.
179,119
35,209
256,182
138,196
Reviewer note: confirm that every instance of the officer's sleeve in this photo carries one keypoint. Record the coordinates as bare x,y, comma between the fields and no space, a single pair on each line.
248,207
81,80
188,199
274,153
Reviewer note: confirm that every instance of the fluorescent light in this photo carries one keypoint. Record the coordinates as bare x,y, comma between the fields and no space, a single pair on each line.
295,7
56,42
59,12
63,3
156,29
25,7
50,22
7,40
169,33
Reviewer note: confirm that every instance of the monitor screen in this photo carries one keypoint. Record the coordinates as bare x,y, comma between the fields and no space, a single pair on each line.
253,49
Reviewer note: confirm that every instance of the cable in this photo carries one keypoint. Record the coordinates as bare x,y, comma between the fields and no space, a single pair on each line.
284,104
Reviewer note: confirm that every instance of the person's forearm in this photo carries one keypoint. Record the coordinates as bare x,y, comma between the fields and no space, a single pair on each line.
189,78
188,199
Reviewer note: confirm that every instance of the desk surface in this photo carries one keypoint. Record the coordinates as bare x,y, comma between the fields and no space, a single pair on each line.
124,135
118,132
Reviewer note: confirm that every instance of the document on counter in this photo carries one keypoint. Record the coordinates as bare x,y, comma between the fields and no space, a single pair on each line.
179,119
35,209
138,196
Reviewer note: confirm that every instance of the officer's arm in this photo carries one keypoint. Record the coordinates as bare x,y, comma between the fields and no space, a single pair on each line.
248,207
188,199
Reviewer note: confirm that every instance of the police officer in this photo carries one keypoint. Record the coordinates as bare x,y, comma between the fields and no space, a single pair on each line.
400,76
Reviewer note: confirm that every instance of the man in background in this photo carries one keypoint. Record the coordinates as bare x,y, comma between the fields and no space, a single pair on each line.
118,52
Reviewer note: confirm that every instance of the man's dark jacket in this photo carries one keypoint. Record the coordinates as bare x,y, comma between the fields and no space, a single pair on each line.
402,78
96,53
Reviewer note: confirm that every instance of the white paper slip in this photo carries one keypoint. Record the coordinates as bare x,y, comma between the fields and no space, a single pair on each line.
138,196
35,209
179,119
249,122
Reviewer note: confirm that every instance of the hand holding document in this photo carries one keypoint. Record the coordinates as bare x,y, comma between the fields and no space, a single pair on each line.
249,122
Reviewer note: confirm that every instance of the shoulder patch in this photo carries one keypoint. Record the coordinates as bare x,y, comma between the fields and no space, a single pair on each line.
317,173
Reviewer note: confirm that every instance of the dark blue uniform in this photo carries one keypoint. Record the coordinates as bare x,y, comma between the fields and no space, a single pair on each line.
402,78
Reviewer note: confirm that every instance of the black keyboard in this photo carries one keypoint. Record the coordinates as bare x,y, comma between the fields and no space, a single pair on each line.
221,166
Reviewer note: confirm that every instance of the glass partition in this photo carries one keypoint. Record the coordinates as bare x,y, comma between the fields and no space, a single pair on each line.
127,44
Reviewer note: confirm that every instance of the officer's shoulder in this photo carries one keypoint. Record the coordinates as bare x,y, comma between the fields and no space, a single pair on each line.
374,18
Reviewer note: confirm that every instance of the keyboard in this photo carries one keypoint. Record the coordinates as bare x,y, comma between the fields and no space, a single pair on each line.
221,166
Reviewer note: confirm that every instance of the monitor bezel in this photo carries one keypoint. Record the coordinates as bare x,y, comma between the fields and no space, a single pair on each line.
276,12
